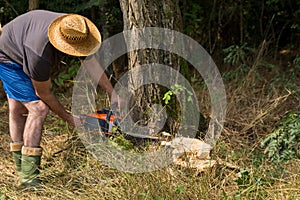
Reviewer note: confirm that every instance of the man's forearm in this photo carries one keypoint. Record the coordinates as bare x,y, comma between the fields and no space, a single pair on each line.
56,107
43,91
94,69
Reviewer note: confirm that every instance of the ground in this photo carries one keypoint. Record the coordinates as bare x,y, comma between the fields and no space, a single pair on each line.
257,99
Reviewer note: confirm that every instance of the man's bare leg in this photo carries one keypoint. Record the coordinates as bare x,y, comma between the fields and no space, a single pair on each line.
37,113
27,158
17,119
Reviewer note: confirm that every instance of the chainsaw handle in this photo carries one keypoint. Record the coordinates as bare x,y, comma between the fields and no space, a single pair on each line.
112,108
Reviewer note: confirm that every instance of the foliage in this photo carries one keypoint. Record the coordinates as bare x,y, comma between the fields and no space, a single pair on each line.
64,78
101,12
208,21
283,144
218,24
11,9
288,79
121,142
176,89
239,58
237,55
105,14
296,63
193,22
249,180
71,6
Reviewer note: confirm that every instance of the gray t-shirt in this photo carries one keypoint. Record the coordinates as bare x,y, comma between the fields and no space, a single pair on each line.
25,41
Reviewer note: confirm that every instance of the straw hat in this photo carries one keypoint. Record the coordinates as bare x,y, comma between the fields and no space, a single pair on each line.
74,35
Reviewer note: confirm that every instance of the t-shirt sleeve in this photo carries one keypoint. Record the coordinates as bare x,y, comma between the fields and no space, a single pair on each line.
36,67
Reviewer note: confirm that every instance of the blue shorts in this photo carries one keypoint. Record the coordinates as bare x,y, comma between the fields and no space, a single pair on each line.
17,85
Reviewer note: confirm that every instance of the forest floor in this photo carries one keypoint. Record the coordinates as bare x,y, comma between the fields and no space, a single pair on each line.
257,99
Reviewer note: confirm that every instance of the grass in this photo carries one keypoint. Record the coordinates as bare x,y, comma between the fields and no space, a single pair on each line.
255,105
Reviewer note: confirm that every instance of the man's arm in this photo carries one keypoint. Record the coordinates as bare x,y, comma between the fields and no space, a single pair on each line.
95,69
44,92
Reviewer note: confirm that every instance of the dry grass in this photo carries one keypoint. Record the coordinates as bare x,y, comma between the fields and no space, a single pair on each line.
254,108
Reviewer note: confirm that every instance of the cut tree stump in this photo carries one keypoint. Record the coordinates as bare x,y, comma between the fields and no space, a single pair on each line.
193,153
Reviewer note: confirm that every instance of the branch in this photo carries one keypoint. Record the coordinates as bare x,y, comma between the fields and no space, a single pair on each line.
11,6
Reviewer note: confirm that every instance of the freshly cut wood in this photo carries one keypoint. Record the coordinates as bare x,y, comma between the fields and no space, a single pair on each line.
182,146
193,153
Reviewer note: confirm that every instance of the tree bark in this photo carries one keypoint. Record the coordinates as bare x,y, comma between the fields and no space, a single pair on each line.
33,4
151,13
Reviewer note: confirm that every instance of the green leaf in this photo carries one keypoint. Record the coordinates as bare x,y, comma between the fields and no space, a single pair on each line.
167,96
180,188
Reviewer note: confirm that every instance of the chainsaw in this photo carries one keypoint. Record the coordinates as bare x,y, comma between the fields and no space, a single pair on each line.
107,120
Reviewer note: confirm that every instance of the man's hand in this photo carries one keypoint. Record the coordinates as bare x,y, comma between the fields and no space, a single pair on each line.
77,121
118,101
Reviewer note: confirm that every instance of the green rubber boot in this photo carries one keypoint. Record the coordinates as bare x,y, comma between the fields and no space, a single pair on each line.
31,161
15,148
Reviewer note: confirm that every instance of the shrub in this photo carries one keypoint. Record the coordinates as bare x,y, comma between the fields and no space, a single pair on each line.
283,143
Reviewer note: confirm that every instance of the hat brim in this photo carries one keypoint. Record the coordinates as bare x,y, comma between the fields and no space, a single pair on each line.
84,48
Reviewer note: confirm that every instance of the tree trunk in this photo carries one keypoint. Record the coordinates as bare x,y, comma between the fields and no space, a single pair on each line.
151,13
33,4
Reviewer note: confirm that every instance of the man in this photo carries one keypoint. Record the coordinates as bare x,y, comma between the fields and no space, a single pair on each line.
29,45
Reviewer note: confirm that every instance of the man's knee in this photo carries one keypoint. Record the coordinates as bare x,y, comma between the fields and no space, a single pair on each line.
38,108
42,109
16,108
